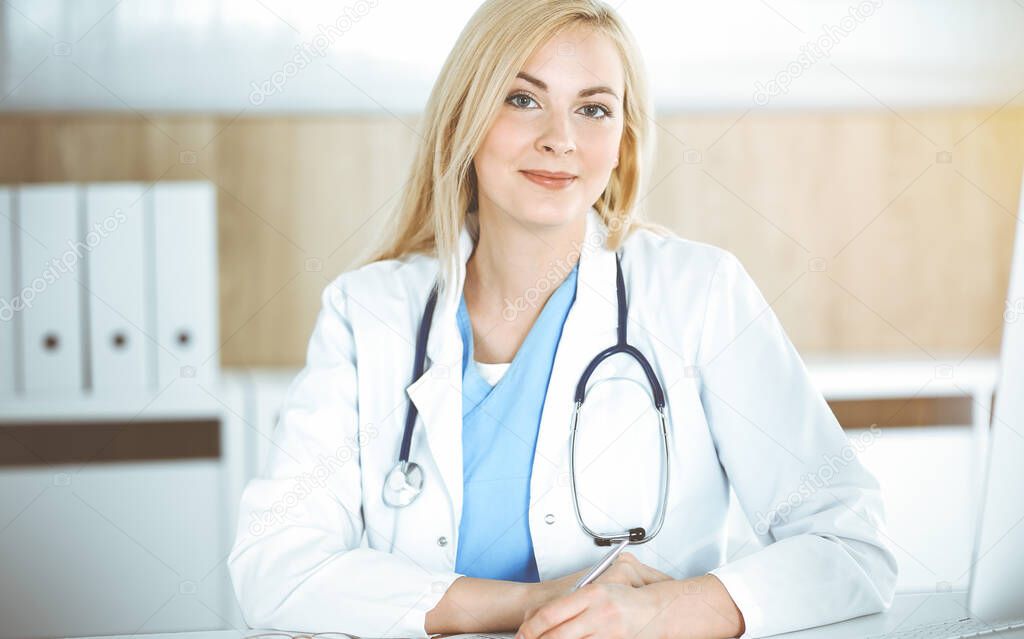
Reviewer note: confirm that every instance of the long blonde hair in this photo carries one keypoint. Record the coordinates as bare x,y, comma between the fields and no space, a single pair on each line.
492,48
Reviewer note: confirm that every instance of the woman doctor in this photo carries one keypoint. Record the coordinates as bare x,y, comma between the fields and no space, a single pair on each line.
522,206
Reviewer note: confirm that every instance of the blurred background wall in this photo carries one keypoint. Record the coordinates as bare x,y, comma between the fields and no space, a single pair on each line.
820,205
830,145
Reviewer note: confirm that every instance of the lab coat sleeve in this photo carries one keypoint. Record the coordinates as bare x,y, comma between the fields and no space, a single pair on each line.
793,469
296,563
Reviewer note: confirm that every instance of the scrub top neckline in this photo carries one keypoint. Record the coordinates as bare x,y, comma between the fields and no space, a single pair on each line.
466,330
495,364
491,373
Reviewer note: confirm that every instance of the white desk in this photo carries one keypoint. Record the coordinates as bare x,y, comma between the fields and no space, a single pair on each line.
906,612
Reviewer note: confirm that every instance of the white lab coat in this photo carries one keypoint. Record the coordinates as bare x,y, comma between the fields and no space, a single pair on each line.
742,410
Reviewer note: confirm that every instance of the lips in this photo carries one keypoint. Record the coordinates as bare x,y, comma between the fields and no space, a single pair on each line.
550,174
549,179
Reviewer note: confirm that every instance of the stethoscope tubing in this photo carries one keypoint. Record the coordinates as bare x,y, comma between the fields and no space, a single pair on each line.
619,540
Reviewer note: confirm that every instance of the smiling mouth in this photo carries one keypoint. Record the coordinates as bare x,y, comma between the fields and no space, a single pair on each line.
551,181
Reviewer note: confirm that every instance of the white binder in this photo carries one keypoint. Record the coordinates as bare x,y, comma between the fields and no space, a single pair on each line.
8,306
185,281
119,341
51,261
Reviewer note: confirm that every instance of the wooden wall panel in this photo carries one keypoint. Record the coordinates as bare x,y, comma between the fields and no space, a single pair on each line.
914,243
870,232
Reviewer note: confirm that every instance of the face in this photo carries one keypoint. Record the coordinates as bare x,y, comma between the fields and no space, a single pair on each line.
561,118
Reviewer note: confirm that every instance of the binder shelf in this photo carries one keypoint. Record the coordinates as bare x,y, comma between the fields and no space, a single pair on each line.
108,299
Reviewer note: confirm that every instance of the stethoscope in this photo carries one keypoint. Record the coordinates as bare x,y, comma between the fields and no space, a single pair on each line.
404,483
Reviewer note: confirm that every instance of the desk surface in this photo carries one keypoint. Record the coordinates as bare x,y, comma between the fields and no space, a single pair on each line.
907,611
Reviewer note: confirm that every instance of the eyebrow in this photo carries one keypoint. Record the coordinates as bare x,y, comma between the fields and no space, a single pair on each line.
583,94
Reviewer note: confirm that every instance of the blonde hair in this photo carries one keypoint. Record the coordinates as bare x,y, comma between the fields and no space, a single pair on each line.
492,48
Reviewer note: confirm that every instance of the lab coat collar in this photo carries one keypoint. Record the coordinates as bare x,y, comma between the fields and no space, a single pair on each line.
437,394
595,291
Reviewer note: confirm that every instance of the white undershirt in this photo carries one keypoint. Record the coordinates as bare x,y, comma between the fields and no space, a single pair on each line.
491,372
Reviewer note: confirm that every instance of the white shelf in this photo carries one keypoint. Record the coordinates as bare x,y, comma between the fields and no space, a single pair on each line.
880,377
837,377
182,399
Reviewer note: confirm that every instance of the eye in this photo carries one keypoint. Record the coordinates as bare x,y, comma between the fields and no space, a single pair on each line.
605,110
522,100
519,105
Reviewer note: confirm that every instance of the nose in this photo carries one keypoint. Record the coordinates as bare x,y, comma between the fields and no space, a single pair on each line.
557,136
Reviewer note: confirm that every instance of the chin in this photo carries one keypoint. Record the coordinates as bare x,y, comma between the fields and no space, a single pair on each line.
541,209
548,214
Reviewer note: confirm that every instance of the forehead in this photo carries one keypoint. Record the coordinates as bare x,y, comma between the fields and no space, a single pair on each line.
576,58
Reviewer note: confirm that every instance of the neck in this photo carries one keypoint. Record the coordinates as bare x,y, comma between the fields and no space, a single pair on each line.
517,265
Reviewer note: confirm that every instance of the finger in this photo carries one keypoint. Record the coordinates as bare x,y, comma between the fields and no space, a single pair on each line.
581,626
627,557
647,573
624,573
554,613
653,575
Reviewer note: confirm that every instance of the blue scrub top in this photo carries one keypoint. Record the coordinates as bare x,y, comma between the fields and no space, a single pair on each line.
499,436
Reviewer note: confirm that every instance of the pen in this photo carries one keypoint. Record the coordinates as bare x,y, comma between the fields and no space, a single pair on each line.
602,565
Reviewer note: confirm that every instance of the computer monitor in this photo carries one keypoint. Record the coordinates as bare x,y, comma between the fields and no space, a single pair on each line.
996,590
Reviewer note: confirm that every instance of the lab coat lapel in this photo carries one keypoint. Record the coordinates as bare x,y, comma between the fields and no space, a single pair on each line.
437,394
590,327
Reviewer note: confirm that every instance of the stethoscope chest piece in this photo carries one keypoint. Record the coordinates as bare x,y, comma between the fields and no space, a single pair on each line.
403,484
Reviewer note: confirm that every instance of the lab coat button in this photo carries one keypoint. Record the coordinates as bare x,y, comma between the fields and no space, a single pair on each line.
442,541
549,518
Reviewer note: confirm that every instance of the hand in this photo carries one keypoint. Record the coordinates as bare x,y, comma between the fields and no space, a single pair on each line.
693,608
626,570
597,610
